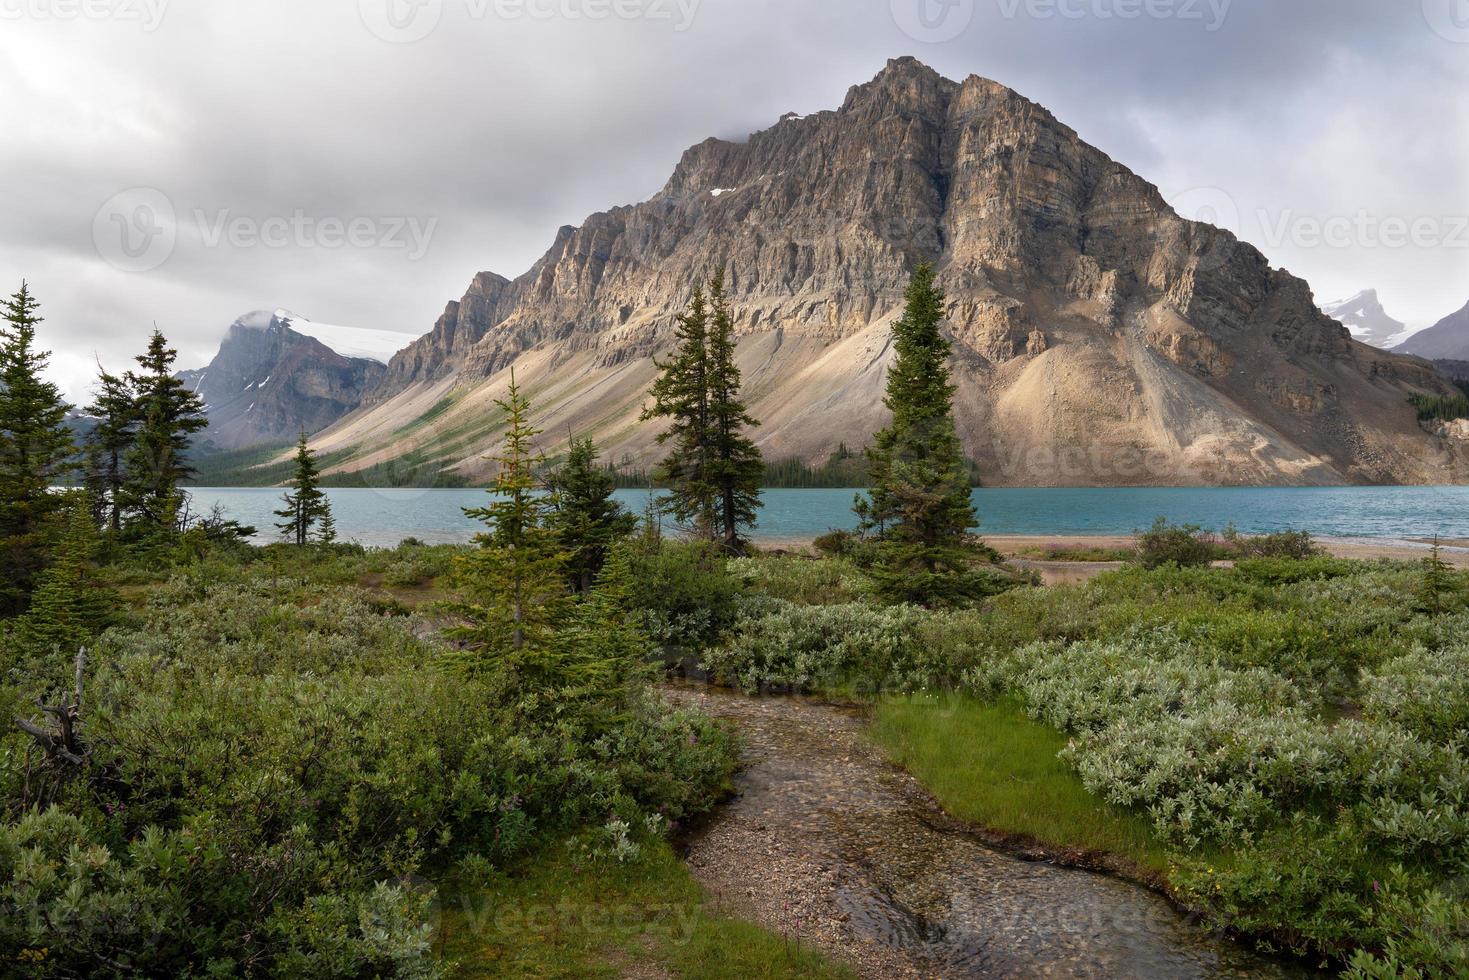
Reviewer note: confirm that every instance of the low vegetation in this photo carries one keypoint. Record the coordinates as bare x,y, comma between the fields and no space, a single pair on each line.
317,760
1284,735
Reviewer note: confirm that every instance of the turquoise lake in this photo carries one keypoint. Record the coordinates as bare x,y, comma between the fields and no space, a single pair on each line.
384,517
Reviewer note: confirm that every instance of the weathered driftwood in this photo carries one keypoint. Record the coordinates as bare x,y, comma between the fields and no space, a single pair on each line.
64,744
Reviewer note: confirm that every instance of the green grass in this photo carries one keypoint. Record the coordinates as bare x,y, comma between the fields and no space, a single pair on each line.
1059,552
991,765
566,916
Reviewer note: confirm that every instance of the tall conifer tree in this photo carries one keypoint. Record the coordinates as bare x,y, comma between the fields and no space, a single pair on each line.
681,394
36,450
158,463
305,503
513,587
919,508
736,469
115,412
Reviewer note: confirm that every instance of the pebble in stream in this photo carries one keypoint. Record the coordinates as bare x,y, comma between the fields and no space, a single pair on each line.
827,844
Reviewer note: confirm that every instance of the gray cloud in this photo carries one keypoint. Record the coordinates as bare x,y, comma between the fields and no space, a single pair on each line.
499,129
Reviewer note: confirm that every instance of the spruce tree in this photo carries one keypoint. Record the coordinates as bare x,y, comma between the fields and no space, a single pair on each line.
681,394
737,468
68,608
513,591
304,504
36,451
326,531
115,412
919,508
157,463
1438,582
586,519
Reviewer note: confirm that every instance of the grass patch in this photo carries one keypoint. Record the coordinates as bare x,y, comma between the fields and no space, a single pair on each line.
1076,552
567,916
992,765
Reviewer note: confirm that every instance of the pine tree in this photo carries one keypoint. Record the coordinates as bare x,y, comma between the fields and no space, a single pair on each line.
68,607
919,508
326,531
115,412
586,519
607,648
681,393
36,450
1438,582
305,503
157,463
737,468
513,587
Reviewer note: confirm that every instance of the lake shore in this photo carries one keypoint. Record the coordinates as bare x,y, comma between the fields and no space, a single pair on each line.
1455,551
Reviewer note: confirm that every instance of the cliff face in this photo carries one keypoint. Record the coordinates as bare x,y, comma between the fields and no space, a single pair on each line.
269,382
1099,337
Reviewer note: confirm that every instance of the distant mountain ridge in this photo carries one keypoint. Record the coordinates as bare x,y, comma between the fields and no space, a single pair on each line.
1447,340
268,383
1100,338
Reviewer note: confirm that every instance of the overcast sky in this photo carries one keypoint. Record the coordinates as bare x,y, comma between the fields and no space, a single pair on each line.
357,161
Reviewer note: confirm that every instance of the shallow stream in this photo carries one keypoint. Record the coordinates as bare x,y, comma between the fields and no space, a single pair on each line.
827,844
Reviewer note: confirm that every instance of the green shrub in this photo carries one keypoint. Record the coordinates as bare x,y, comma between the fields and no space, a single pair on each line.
784,646
1176,544
269,760
683,593
800,580
836,544
1296,545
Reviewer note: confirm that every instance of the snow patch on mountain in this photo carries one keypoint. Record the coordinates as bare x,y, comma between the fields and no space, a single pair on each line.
375,345
1368,322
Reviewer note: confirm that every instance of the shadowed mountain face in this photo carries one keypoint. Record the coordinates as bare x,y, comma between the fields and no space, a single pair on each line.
1100,339
268,383
1446,340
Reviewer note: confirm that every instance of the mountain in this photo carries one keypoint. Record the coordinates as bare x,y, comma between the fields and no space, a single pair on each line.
1100,339
1448,339
269,381
1364,316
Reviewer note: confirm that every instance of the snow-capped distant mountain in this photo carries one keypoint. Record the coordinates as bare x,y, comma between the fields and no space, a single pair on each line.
376,345
271,379
1364,316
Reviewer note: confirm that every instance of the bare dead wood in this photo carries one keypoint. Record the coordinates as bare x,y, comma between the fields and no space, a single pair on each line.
60,742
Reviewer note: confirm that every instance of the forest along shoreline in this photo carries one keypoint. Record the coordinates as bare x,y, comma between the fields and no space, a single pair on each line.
829,844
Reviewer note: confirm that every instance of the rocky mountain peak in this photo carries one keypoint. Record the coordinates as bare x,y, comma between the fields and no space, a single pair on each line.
1091,323
267,383
1364,316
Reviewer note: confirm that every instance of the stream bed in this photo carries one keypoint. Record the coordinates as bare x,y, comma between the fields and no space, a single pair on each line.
828,845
